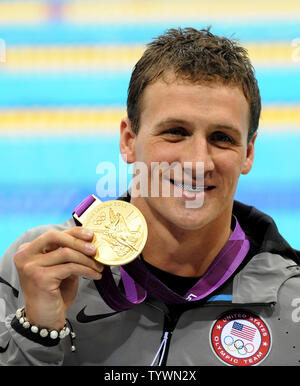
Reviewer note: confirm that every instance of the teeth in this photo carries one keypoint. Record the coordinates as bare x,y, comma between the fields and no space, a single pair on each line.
190,188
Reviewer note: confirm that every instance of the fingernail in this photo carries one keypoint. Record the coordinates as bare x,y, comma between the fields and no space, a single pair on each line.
90,247
87,232
99,267
98,276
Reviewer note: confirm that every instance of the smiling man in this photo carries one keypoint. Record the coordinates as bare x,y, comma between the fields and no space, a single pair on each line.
215,283
184,122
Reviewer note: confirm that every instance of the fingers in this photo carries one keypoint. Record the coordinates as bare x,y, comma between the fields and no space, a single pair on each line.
75,238
49,268
64,271
54,248
68,255
80,233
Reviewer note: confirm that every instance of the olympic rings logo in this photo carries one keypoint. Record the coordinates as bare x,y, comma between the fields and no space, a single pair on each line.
238,345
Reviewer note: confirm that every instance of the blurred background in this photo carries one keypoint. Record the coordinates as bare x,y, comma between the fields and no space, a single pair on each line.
64,73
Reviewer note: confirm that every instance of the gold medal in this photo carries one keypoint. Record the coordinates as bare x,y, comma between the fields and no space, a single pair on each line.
120,231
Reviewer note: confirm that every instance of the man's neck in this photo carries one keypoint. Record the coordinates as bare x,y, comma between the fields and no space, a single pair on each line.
185,252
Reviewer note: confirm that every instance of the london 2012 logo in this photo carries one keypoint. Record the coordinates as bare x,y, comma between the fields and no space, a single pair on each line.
240,338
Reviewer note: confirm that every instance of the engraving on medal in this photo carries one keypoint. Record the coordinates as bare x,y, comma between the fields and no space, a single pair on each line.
120,231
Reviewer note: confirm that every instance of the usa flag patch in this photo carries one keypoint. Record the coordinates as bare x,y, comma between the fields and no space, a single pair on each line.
240,338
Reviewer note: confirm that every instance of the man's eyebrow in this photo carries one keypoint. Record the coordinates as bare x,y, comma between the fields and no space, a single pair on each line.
177,121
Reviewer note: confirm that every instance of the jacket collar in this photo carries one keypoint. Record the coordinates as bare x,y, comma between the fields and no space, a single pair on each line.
270,261
260,280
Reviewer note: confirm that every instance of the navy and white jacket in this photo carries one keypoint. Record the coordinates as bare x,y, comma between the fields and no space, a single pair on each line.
252,319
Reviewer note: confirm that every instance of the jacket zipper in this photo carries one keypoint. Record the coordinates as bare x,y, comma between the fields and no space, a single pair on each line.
170,321
160,355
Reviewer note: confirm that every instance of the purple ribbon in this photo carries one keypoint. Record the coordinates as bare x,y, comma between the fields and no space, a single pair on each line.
138,281
82,207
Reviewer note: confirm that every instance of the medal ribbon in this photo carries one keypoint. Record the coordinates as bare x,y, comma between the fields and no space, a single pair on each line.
138,280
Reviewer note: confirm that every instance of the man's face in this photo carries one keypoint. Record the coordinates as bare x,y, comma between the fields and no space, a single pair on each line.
185,122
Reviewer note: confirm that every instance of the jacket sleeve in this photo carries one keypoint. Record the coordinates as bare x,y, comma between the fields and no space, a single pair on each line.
16,350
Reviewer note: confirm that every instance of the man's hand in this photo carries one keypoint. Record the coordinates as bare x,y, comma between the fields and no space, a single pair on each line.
49,268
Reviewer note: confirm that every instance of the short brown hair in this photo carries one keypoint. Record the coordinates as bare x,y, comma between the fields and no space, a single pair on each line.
194,55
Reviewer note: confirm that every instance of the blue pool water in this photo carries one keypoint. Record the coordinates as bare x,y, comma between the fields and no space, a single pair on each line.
110,89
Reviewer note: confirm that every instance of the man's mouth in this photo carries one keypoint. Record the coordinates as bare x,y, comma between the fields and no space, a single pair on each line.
193,188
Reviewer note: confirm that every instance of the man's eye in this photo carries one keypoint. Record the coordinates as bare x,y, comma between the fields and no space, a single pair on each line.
176,131
221,137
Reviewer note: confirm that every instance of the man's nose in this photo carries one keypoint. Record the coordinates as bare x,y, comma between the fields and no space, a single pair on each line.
199,150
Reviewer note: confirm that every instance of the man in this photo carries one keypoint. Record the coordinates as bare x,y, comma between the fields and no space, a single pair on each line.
215,284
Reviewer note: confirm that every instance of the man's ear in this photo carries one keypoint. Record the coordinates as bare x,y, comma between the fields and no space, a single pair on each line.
127,141
248,163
